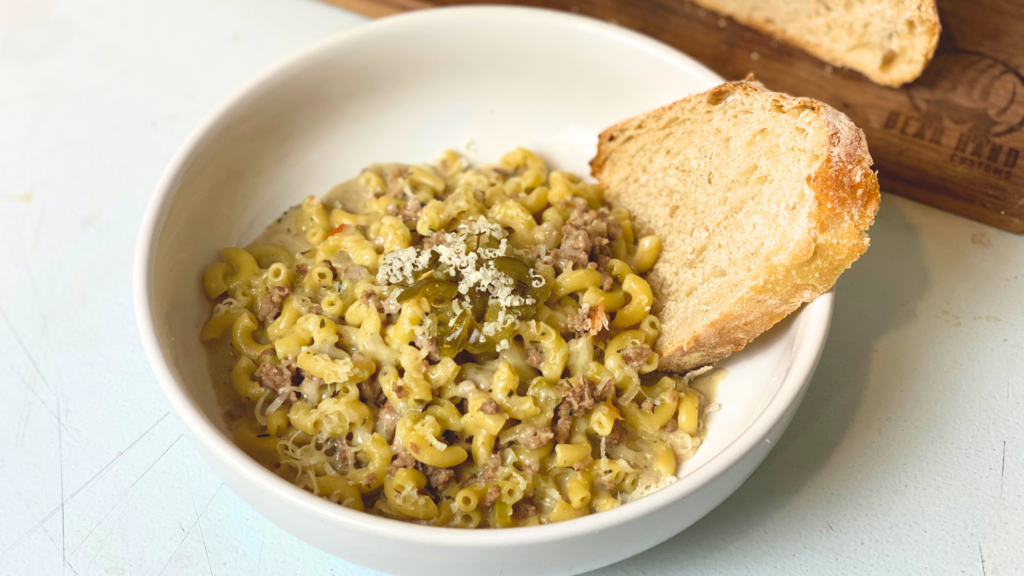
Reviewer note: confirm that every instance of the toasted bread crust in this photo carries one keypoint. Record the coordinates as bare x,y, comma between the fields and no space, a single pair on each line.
845,200
923,11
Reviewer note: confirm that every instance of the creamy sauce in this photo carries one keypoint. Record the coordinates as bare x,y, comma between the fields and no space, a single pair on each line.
707,383
348,196
220,359
283,232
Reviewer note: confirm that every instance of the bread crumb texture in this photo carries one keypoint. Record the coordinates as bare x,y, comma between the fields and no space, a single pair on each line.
761,200
889,41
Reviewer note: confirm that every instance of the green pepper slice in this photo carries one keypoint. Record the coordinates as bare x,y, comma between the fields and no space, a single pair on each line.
479,343
514,268
452,339
431,289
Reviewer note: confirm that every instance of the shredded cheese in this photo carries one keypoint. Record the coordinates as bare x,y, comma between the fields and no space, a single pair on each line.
455,260
536,280
228,305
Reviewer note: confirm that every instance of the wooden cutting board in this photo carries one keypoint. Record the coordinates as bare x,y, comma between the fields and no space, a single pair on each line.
952,139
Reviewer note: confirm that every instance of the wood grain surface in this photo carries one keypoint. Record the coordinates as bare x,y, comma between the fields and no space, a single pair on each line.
952,139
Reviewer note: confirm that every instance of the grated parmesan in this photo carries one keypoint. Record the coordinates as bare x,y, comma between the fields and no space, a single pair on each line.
536,280
454,257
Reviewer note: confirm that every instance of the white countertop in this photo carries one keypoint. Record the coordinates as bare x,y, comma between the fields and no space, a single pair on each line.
907,456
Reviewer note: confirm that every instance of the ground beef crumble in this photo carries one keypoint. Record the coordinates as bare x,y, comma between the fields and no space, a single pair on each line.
561,423
579,322
605,389
589,320
408,211
534,357
401,459
276,379
436,477
535,437
492,495
439,238
586,237
342,453
371,299
579,393
428,344
617,435
355,273
370,392
491,471
636,356
577,396
270,305
524,508
490,406
387,421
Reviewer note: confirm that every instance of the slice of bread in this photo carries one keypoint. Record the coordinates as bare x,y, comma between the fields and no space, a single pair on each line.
889,41
761,201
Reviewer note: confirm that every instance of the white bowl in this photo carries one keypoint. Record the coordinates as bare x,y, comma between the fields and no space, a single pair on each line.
402,89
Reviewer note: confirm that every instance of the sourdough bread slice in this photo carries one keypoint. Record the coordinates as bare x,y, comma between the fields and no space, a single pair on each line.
889,41
761,201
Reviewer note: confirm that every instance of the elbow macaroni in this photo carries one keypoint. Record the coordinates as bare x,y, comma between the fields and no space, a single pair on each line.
452,354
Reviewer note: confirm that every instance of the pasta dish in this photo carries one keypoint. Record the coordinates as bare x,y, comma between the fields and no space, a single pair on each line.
453,347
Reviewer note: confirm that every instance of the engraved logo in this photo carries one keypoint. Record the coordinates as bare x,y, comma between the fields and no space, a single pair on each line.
972,90
969,103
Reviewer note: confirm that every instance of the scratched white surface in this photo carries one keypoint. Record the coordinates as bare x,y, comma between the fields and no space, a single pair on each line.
906,458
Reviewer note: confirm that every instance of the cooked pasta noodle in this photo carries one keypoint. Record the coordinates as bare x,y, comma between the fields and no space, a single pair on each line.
452,346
